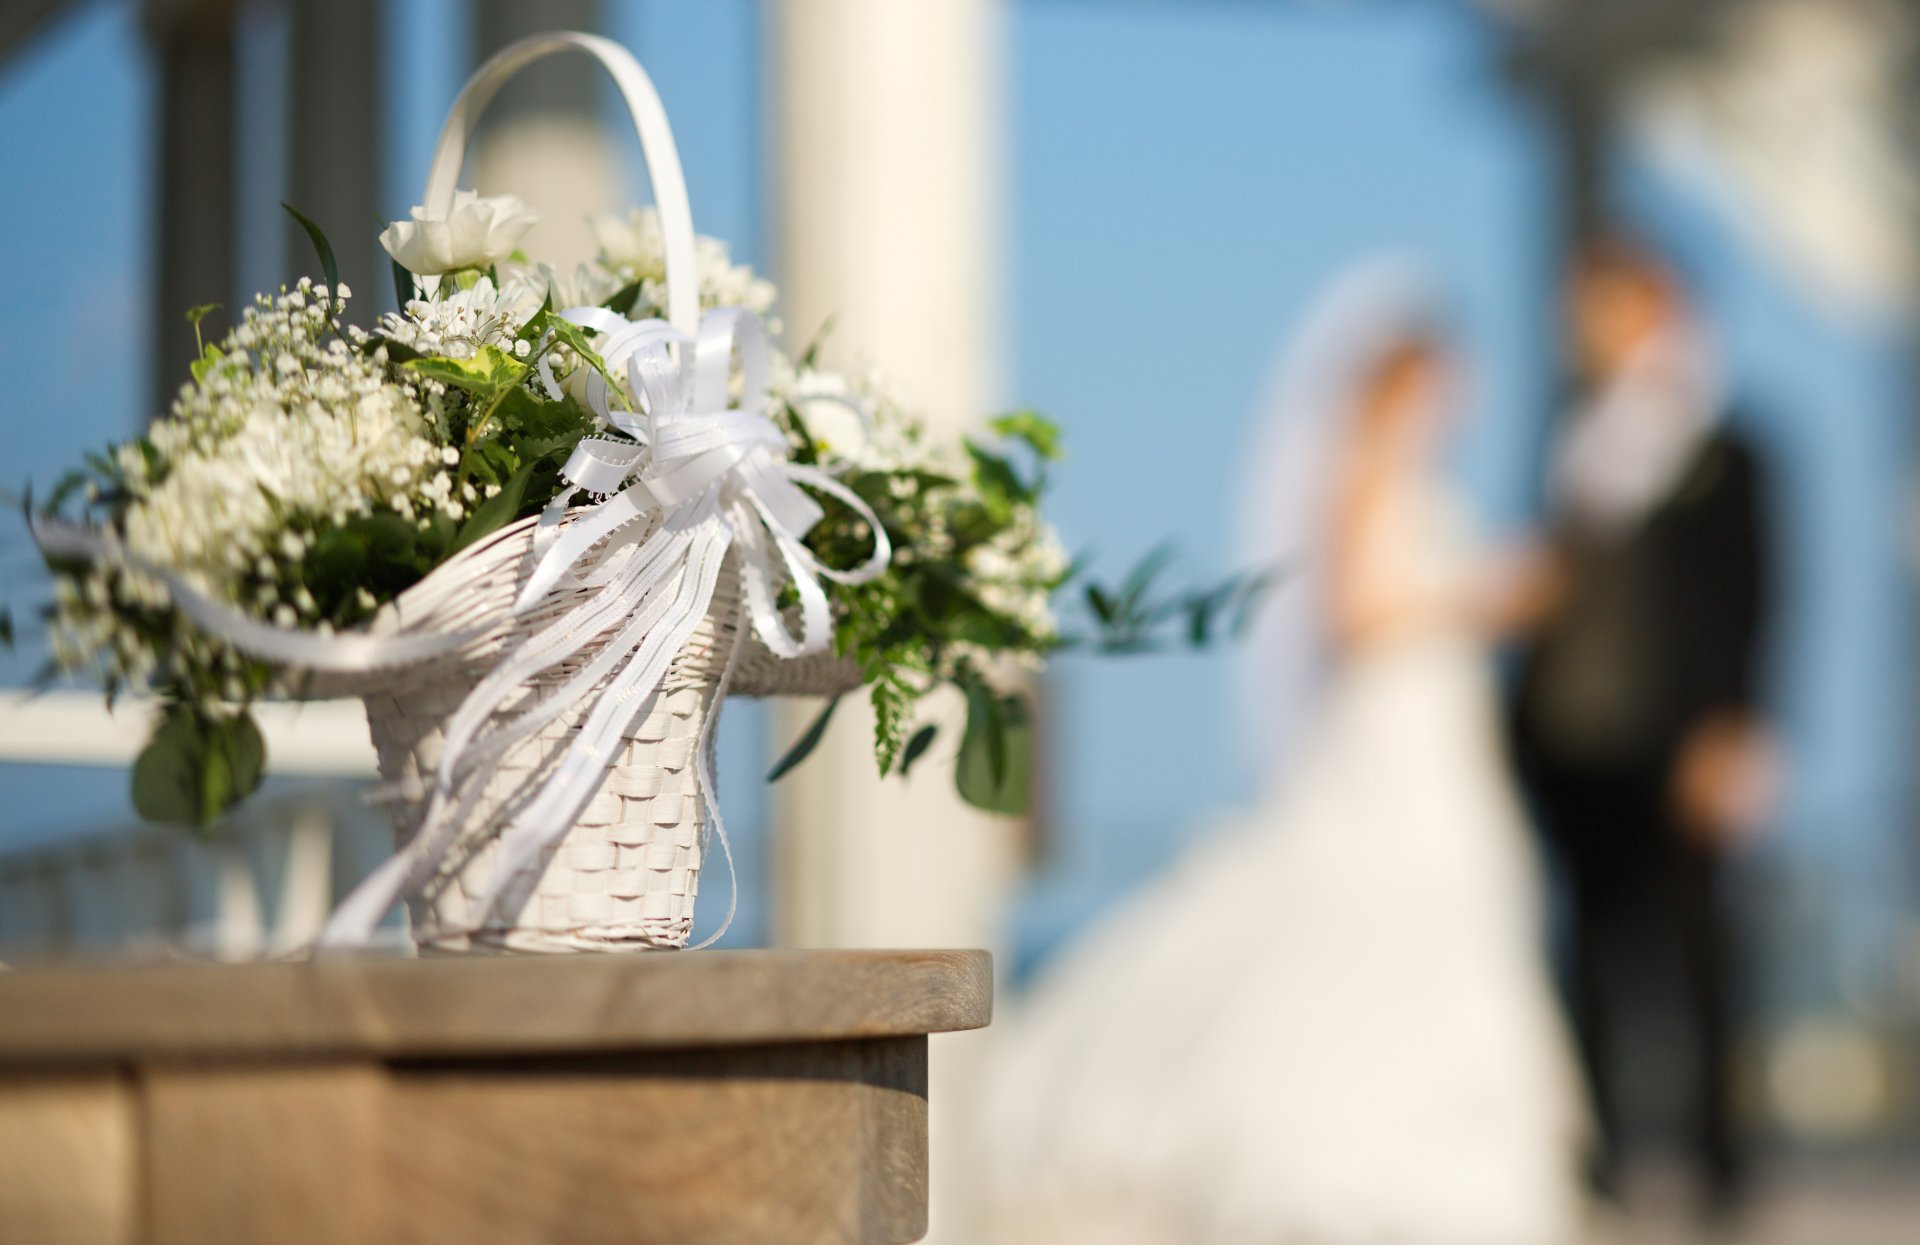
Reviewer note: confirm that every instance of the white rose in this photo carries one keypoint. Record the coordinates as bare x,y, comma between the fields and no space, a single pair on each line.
633,242
835,416
476,232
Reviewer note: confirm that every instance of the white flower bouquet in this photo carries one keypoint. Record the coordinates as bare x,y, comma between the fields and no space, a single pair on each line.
543,522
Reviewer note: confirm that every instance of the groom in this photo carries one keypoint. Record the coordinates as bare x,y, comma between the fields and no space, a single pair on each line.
1638,726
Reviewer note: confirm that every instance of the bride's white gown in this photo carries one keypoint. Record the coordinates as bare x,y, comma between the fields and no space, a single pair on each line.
1332,1022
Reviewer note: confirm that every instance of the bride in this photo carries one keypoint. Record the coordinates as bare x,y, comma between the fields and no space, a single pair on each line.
1332,1023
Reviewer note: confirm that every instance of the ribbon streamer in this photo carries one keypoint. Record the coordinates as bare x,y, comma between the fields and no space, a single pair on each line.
340,653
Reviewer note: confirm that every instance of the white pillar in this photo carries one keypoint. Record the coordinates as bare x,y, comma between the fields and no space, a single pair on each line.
306,879
545,139
885,205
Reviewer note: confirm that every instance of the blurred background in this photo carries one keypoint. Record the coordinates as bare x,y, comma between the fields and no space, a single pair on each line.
1115,212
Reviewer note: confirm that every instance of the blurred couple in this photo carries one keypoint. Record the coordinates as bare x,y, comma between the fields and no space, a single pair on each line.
1334,1023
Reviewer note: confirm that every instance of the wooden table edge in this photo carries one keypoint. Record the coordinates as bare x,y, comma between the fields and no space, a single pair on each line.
473,1006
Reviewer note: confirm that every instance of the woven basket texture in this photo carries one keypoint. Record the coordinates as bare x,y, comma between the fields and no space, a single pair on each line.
762,672
626,875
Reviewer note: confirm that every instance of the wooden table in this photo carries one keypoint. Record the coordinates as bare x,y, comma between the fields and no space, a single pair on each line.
699,1099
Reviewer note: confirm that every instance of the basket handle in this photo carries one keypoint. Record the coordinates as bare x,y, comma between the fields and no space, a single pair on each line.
656,145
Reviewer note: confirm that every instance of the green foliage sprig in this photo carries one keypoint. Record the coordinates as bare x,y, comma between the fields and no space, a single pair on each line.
923,624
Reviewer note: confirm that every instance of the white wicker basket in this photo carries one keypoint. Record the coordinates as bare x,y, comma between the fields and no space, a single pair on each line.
626,875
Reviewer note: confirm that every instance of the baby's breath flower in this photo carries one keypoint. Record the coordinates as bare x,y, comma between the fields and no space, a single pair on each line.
458,325
632,249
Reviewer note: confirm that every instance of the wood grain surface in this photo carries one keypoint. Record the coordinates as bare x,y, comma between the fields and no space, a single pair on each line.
68,1154
745,1098
486,1004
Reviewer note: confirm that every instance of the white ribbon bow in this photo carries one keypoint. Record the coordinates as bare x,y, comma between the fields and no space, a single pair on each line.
690,435
704,470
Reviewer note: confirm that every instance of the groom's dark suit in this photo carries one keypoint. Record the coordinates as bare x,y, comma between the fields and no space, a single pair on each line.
1661,631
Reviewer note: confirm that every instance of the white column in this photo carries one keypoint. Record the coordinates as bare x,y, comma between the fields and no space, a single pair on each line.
545,139
885,204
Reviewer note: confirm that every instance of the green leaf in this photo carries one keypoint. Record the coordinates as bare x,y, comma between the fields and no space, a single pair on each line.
505,506
329,266
530,331
804,746
538,419
1134,618
811,355
1133,592
1000,486
1205,608
917,747
196,766
334,571
497,511
242,751
972,623
1041,434
433,541
489,461
806,449
893,701
63,490
397,352
1255,591
210,358
996,733
386,538
403,286
1200,613
194,316
623,299
488,371
101,465
166,784
573,337
995,767
46,676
